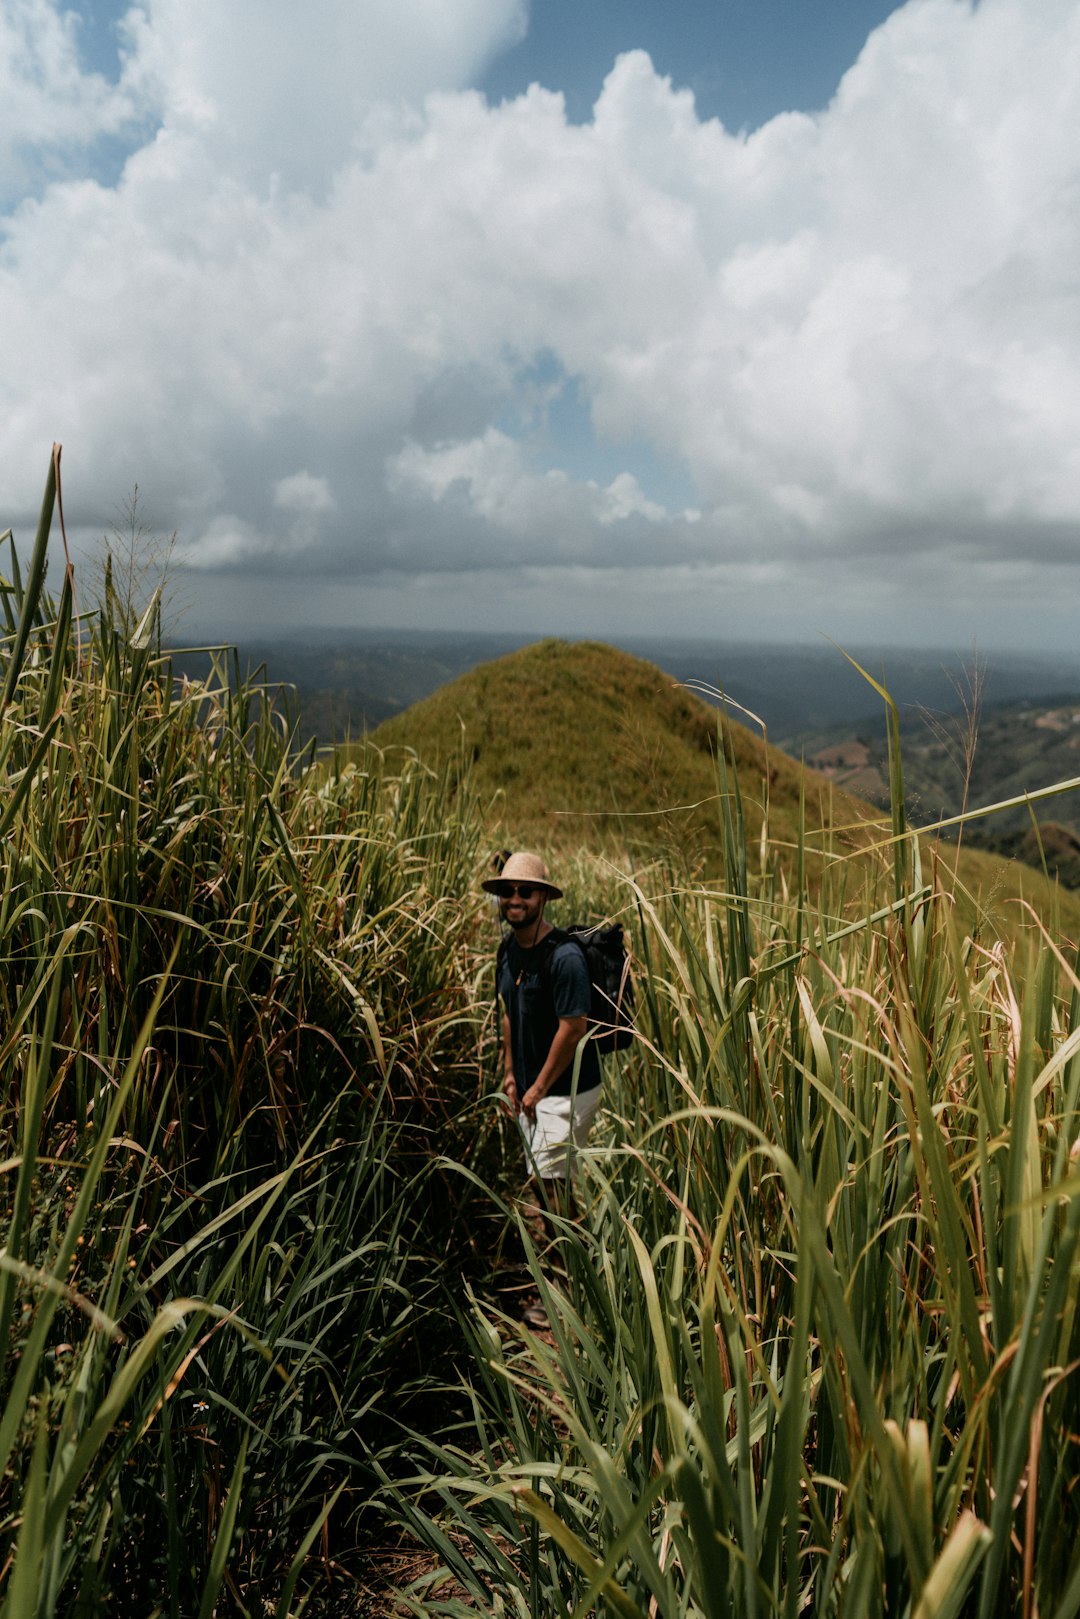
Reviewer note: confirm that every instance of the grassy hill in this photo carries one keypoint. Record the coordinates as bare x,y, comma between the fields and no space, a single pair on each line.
582,746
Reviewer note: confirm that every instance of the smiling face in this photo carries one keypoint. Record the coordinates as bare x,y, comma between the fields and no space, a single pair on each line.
521,905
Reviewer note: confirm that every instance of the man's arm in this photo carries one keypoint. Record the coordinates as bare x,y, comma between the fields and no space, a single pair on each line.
568,1036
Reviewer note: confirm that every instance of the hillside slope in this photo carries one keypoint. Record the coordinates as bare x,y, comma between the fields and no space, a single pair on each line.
582,743
582,746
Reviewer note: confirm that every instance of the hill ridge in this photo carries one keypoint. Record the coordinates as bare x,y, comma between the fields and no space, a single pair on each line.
560,732
580,746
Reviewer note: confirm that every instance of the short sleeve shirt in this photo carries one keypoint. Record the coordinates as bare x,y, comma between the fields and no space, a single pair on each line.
537,988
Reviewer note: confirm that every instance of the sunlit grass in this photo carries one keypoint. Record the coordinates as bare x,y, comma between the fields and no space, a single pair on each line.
816,1346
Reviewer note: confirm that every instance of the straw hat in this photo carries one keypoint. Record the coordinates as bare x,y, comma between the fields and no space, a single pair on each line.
523,868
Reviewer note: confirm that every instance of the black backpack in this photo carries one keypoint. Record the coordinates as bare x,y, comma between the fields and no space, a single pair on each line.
611,1014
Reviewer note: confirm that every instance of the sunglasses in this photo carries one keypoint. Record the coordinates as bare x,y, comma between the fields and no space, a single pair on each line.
523,891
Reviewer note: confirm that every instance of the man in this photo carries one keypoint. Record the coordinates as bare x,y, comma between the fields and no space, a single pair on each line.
545,992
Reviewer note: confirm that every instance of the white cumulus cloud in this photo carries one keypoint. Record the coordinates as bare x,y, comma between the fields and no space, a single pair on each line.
855,336
303,493
276,90
51,105
491,479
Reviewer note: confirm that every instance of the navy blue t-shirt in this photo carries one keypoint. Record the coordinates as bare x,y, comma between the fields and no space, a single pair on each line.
537,988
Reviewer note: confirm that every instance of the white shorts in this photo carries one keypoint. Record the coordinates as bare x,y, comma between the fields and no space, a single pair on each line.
559,1119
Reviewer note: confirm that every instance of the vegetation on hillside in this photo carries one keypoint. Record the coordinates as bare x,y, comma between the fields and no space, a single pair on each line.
578,742
982,755
573,743
814,1342
345,685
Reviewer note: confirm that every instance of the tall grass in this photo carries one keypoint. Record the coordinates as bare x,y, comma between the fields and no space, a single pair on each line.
237,1010
813,1344
816,1347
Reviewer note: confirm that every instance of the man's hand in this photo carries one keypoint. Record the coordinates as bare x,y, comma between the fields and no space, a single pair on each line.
568,1036
511,1093
528,1102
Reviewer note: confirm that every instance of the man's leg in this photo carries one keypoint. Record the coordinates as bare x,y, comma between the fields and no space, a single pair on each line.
553,1199
561,1128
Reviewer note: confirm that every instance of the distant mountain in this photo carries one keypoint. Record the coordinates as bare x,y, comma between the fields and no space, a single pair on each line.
344,683
995,754
799,691
349,680
956,762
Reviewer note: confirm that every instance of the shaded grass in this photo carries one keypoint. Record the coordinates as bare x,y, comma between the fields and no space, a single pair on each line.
239,1025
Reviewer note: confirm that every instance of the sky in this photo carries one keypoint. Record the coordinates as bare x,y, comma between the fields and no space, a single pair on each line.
754,319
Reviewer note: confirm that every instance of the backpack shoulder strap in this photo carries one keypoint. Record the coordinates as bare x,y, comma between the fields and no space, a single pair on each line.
551,942
501,957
